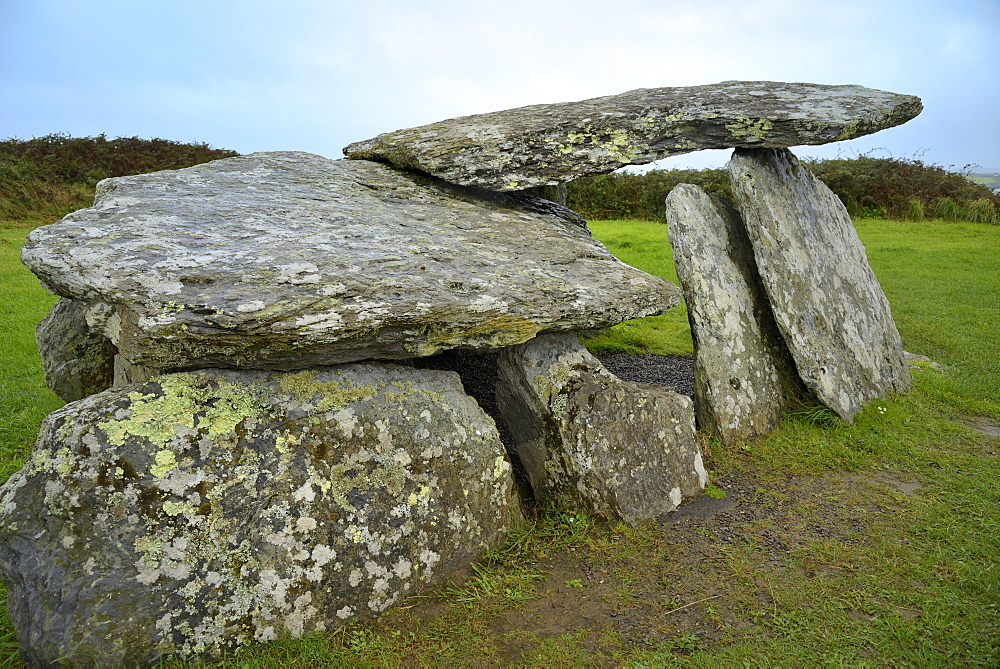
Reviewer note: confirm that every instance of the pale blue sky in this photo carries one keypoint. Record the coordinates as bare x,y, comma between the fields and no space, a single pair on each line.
316,76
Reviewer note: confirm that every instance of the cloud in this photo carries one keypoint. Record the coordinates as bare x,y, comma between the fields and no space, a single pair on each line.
319,74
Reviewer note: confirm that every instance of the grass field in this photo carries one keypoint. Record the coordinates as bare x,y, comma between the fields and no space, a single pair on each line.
869,544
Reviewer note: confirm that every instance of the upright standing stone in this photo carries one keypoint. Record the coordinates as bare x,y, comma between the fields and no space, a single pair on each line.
825,298
742,370
623,451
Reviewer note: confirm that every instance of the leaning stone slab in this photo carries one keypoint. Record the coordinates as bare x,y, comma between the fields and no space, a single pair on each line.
620,450
206,510
743,373
555,143
288,260
826,300
77,360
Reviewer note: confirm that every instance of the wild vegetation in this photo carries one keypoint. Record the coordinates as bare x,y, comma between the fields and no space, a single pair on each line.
48,177
900,189
822,544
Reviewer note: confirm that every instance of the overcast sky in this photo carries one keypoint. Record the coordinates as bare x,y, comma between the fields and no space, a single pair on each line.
316,76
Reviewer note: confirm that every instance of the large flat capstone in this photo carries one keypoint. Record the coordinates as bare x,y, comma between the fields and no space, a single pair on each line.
289,260
555,143
825,297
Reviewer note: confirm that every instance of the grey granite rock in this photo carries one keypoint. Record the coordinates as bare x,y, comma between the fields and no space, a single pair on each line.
555,143
620,450
825,298
206,510
77,360
288,260
743,371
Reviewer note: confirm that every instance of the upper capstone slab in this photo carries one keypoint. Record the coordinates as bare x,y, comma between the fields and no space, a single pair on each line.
289,260
555,143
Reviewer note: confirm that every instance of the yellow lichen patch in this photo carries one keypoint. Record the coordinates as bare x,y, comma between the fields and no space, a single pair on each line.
492,333
185,402
165,461
849,131
745,128
284,441
331,395
177,508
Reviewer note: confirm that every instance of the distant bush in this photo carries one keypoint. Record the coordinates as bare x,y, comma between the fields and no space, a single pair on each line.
906,189
892,187
50,176
622,195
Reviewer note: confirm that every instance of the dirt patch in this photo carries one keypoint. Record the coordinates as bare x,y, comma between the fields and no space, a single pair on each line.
983,425
693,578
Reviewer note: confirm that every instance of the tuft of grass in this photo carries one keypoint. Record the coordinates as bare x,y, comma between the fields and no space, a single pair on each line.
947,209
983,210
914,210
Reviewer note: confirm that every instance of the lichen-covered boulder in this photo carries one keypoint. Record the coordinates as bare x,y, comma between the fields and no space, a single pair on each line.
209,509
77,360
290,260
555,143
825,298
743,373
623,451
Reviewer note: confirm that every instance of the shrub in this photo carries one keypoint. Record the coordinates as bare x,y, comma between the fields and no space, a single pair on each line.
47,177
622,195
869,188
891,186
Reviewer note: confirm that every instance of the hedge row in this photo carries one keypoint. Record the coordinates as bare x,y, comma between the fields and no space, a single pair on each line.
869,187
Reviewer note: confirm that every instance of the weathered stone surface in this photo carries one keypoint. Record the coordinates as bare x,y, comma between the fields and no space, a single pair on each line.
623,451
825,298
555,143
288,260
77,361
204,510
743,371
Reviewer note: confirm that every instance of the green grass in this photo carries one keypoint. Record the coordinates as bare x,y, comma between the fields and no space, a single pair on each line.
643,244
24,398
943,283
866,544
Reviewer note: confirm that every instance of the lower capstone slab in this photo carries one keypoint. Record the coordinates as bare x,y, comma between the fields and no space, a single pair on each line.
289,260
